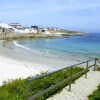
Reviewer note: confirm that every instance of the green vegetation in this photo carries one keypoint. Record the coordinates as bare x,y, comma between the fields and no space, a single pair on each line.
67,31
95,95
15,89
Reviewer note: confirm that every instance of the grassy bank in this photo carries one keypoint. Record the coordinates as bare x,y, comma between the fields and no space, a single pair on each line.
15,89
95,95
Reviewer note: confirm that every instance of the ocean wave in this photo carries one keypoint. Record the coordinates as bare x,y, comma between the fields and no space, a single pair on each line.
21,46
38,52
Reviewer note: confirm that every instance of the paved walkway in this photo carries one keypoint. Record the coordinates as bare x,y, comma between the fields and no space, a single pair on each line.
81,89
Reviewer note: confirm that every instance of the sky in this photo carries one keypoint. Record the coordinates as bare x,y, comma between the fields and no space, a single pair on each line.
79,15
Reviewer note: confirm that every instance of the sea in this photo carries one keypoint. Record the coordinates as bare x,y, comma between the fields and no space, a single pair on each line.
85,45
54,53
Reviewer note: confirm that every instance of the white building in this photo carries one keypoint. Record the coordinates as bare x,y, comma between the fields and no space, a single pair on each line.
4,25
20,28
7,27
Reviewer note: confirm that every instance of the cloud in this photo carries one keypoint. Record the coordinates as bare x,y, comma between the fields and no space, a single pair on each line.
42,6
50,11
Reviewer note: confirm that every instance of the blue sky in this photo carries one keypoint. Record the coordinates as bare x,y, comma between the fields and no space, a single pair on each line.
81,15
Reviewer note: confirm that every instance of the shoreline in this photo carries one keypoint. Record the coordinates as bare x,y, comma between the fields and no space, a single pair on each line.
53,61
13,36
11,69
14,66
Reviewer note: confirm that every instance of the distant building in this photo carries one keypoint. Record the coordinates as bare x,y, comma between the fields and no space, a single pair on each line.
4,25
0,27
35,27
16,25
20,28
6,28
1,30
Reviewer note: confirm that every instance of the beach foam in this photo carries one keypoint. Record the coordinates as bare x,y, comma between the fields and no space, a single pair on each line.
16,43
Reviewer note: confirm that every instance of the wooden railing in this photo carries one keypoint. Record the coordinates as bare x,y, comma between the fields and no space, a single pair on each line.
95,61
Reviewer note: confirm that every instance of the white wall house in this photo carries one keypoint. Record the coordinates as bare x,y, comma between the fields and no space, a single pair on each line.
33,30
20,28
8,27
4,25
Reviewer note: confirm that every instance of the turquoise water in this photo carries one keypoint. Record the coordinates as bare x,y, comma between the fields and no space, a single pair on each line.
87,45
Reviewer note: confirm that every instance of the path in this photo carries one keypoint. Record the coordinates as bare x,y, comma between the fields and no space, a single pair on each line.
81,89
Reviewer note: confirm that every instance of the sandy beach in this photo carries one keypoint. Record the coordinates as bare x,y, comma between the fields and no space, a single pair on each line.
12,69
18,65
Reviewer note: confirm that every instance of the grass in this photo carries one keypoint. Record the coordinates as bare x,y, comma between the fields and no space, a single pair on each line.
15,89
67,31
95,95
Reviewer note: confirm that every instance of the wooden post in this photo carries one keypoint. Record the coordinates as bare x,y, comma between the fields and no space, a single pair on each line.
98,60
27,90
95,61
86,69
71,73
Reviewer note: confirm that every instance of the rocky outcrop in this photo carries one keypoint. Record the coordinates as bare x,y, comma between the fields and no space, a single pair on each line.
30,35
33,35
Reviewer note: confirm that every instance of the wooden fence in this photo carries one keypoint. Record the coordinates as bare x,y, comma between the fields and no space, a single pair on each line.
96,62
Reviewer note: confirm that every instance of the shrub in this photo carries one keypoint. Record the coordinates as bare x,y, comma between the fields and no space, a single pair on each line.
15,89
95,95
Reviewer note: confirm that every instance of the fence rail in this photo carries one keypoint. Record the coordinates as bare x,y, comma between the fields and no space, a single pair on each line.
96,61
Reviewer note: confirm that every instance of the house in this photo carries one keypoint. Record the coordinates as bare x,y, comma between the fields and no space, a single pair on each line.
6,28
20,28
35,27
